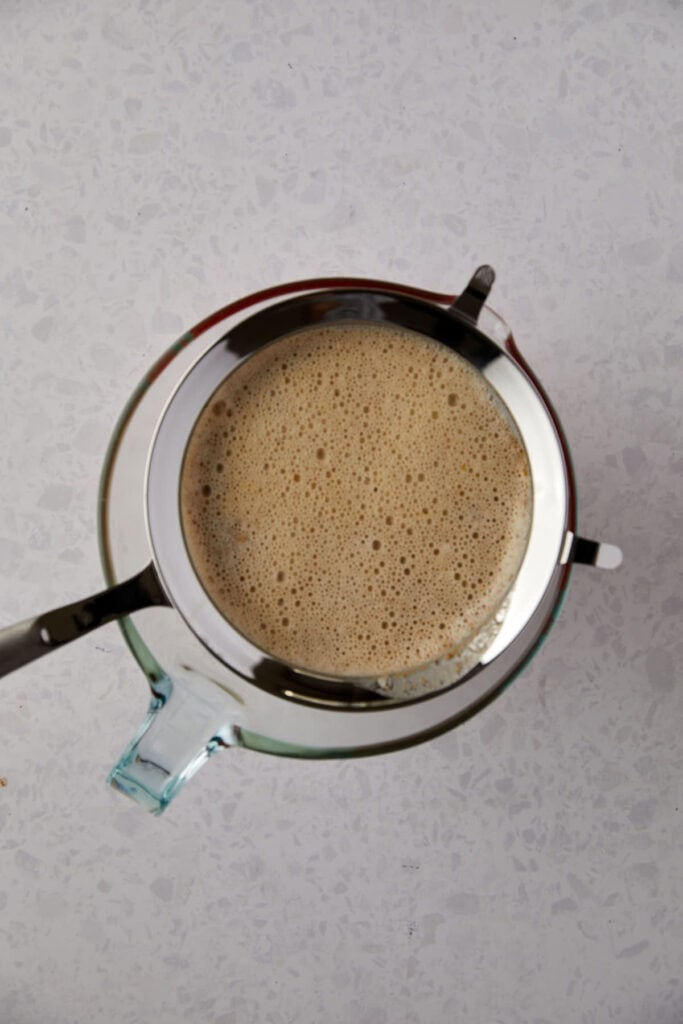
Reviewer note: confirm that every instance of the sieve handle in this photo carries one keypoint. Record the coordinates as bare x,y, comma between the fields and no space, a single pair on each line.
469,303
25,641
582,551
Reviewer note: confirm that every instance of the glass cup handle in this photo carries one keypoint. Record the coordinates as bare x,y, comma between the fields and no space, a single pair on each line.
186,724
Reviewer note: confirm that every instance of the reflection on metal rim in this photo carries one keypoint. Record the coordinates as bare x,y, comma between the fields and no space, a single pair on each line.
536,580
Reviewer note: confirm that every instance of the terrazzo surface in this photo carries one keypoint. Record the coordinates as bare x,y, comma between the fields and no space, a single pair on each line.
158,159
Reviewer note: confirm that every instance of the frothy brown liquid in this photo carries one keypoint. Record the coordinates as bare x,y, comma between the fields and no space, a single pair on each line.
356,499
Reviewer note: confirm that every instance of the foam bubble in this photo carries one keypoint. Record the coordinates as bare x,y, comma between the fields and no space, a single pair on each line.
338,517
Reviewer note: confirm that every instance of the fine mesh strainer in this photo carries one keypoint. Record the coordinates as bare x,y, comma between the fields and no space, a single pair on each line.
215,687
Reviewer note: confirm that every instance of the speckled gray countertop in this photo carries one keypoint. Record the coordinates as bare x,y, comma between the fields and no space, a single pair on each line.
161,158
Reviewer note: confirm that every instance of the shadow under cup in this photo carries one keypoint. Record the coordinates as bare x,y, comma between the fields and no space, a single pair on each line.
211,686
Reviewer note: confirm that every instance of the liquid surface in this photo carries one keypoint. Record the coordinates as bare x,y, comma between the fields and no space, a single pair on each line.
356,499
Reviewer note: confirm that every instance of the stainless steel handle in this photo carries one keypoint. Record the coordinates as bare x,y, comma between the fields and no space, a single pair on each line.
32,638
582,551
